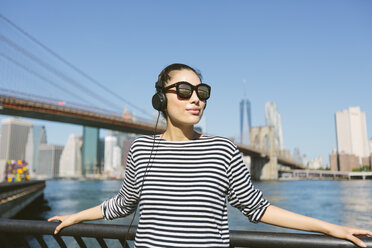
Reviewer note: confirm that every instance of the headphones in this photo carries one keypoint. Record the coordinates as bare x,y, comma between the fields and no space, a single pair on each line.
159,100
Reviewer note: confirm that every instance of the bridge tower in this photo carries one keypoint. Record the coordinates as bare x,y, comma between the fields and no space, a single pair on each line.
263,138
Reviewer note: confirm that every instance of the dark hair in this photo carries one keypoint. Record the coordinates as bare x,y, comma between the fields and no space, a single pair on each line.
164,76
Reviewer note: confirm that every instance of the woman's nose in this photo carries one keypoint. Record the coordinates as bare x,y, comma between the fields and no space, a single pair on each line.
194,97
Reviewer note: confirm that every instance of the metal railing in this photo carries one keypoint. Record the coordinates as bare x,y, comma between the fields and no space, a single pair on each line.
31,233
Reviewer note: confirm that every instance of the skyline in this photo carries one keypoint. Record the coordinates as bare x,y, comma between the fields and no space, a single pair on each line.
312,58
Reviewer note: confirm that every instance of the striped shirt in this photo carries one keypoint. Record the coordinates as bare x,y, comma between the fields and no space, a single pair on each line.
183,198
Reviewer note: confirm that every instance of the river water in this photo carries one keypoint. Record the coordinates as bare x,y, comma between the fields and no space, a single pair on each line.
340,202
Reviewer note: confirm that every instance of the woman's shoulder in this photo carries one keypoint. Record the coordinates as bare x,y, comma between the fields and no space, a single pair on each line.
143,139
219,140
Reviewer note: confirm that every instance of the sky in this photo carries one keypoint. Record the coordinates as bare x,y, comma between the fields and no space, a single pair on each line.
313,58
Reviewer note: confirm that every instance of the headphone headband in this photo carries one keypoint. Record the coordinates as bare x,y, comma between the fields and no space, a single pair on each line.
158,86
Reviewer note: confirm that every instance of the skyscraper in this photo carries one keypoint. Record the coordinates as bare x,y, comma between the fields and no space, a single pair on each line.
70,162
89,151
36,136
351,130
48,160
110,143
273,119
14,134
245,120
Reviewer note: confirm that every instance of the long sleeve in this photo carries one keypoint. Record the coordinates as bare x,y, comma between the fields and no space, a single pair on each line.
242,193
125,202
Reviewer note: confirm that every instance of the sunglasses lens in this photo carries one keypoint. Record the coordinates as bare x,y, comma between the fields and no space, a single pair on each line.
184,91
203,92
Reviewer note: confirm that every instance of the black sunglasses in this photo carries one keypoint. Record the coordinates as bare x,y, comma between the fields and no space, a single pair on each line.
184,90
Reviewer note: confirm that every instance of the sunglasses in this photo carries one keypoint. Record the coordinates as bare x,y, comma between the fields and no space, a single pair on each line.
184,90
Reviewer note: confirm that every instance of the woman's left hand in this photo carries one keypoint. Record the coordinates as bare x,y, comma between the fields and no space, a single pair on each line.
348,233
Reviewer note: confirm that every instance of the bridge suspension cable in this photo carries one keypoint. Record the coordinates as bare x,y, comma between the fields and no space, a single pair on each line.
55,71
25,68
70,65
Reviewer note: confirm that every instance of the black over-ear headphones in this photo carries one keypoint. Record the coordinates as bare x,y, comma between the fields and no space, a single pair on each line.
159,100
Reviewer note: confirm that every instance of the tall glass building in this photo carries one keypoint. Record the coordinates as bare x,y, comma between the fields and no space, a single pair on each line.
89,151
245,120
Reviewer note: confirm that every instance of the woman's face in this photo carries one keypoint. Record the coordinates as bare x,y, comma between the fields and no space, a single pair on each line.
183,111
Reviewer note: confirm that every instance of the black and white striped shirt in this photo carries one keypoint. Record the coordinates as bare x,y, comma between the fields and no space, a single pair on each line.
183,199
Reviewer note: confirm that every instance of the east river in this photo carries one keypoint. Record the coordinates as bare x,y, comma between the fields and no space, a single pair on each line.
340,202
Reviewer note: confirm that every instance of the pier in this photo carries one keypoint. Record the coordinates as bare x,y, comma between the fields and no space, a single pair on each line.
324,174
14,197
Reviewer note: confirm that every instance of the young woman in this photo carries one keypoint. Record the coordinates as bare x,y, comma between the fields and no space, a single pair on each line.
181,179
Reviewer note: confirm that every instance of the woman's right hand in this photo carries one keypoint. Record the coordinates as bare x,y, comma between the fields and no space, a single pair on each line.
66,220
93,213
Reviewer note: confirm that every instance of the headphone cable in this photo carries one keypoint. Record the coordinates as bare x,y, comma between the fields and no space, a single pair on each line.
143,181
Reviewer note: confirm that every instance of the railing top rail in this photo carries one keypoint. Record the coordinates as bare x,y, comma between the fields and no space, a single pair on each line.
238,238
289,240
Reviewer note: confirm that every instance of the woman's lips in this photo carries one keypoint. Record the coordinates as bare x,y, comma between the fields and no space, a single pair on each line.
194,111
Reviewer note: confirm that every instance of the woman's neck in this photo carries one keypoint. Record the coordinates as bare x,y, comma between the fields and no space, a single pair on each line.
173,133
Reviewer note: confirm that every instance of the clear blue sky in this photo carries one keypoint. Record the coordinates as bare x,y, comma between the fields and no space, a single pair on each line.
313,58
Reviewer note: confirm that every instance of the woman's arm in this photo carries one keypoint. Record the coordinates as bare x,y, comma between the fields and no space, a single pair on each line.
283,218
94,213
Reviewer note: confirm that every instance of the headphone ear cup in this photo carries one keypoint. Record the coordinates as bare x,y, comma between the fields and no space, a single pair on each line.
159,101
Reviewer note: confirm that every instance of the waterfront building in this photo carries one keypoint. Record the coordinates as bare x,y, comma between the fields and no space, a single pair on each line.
48,160
110,143
343,161
272,118
125,141
297,155
70,163
89,151
316,164
116,158
122,137
351,131
36,136
245,121
14,134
